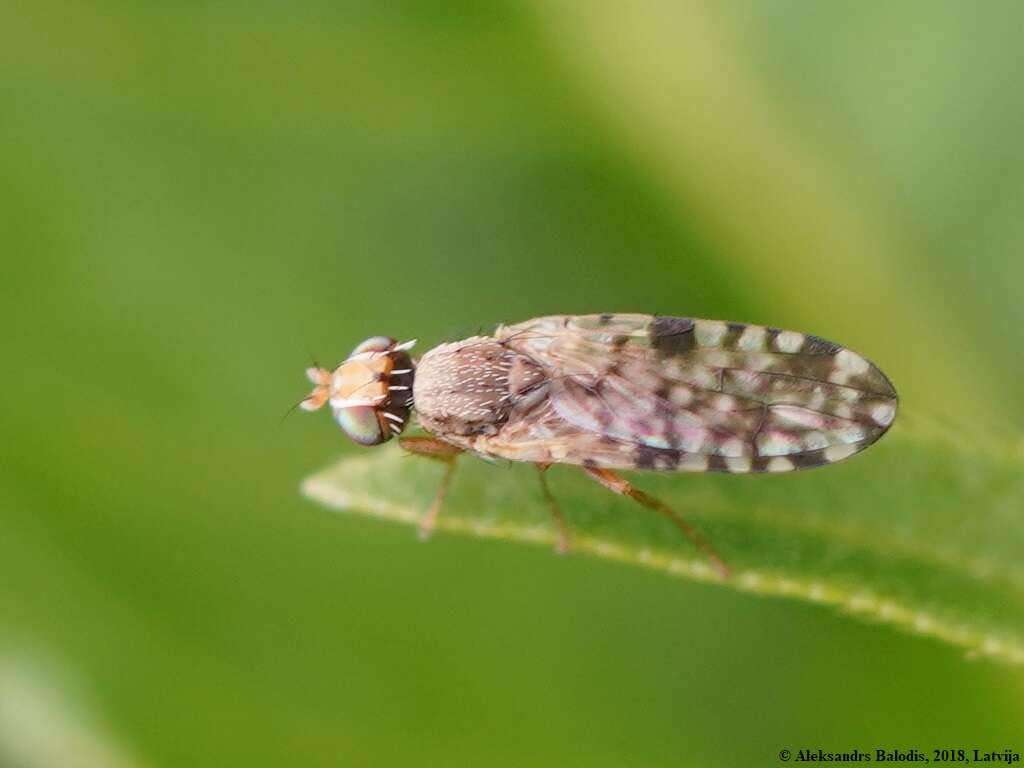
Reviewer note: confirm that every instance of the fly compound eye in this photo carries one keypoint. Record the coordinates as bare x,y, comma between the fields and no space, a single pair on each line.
362,424
374,344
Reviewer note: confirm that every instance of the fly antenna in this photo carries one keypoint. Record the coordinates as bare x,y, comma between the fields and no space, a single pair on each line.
290,411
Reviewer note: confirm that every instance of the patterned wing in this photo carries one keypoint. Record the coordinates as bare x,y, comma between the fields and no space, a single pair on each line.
673,393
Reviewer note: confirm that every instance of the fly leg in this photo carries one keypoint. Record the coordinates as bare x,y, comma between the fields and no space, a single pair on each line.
623,487
562,545
441,451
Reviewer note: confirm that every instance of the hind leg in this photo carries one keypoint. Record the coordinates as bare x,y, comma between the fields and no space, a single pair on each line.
623,487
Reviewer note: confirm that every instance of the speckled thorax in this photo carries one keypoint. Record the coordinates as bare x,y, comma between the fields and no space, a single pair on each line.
472,387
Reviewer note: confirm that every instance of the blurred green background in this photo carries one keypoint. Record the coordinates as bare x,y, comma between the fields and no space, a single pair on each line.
198,196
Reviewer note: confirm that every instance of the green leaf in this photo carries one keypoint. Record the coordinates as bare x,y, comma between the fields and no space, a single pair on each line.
922,532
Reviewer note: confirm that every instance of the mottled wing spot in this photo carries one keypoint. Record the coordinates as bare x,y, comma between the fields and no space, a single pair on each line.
706,378
796,416
680,396
839,452
646,457
808,459
852,434
709,333
693,462
752,339
817,401
732,448
815,345
852,362
789,342
760,362
849,394
733,332
692,439
717,464
717,358
738,465
685,420
672,335
780,464
883,414
639,375
658,440
751,384
724,403
839,376
776,443
815,441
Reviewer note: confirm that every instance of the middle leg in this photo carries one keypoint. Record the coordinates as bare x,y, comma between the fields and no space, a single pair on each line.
562,545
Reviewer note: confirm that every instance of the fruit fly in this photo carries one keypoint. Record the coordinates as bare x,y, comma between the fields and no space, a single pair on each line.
616,392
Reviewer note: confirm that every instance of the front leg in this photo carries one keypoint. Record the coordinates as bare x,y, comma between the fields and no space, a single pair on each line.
438,450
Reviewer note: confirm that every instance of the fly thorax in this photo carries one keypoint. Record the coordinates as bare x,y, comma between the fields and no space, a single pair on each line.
470,387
